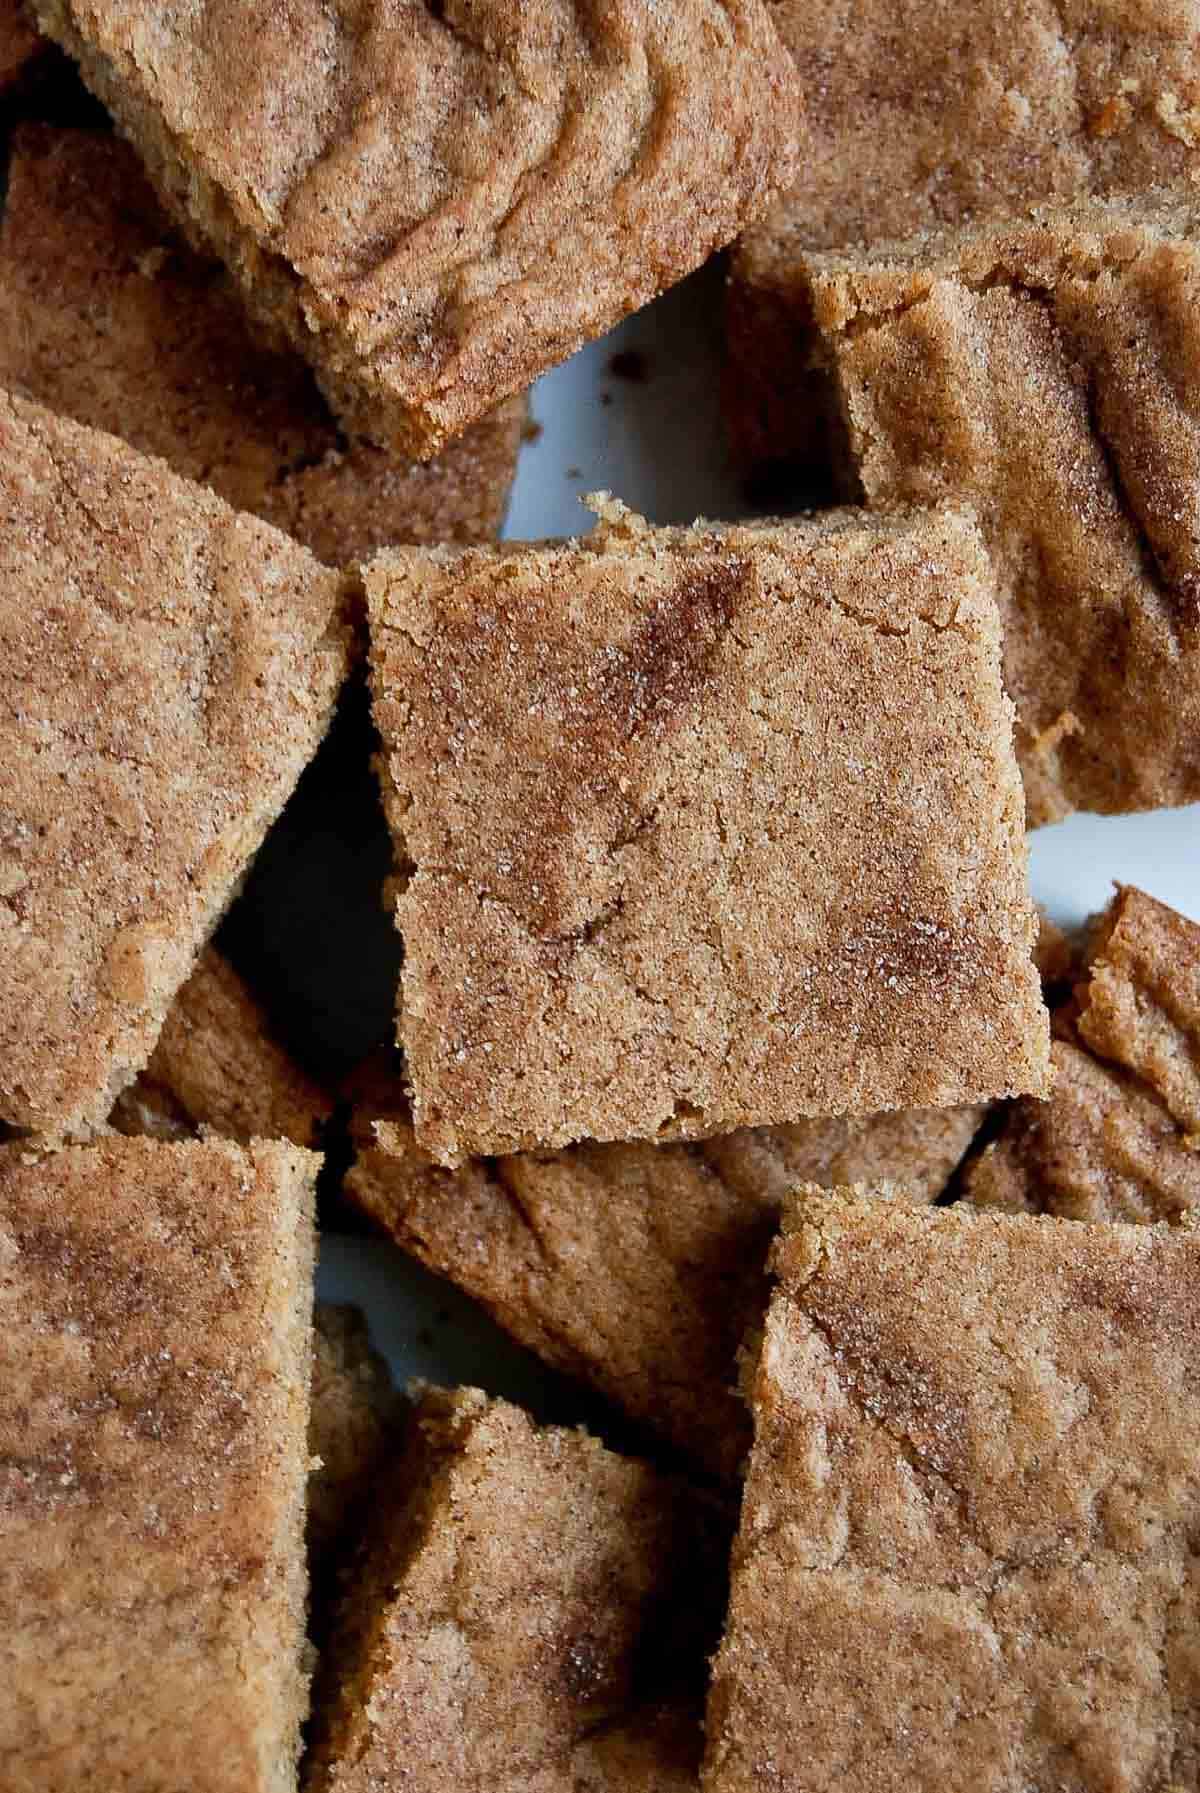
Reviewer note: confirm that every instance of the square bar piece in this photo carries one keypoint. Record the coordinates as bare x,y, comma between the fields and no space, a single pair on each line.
106,317
218,1068
967,1549
167,669
1119,1138
536,1613
708,827
1045,370
636,1268
154,1374
438,203
921,114
1054,358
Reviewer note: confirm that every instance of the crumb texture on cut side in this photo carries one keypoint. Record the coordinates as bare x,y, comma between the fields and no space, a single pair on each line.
637,1268
154,1373
107,317
709,828
217,1067
1119,1138
1057,360
355,1420
167,668
967,1555
436,203
537,1615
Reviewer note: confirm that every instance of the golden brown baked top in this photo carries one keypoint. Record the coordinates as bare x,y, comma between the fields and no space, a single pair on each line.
106,317
167,668
1119,1138
154,1361
524,1618
439,202
924,112
355,1419
217,1067
1057,358
638,1268
967,1550
710,827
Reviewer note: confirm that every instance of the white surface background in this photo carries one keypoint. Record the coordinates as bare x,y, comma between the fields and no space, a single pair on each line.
658,444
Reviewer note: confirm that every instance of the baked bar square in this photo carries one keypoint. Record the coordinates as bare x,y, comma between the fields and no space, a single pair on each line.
106,316
967,1548
919,115
707,828
438,202
1044,369
154,1374
217,1067
1119,1137
167,668
636,1268
534,1614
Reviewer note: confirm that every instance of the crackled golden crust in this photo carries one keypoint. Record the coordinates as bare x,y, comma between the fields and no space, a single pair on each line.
638,1268
438,203
536,1614
710,827
1119,1138
967,1556
922,114
355,1423
1043,370
154,1371
217,1067
106,317
167,668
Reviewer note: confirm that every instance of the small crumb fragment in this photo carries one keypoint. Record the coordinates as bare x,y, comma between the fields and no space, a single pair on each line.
630,364
1063,726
